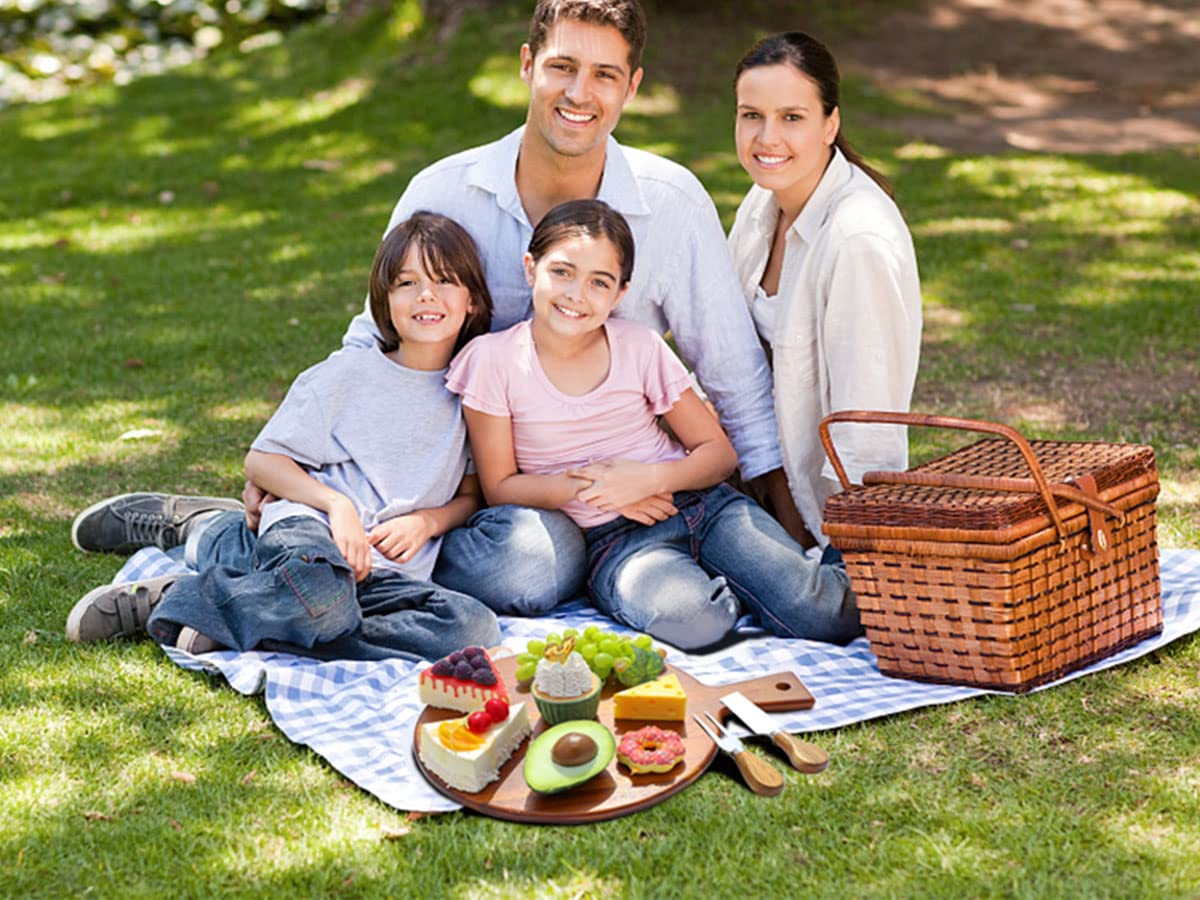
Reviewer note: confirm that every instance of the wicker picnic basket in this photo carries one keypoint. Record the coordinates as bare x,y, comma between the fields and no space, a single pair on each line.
1005,564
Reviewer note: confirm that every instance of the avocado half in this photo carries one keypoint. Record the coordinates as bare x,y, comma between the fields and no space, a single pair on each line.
545,776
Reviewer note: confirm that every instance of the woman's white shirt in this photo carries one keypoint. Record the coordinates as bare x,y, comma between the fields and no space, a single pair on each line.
763,309
844,326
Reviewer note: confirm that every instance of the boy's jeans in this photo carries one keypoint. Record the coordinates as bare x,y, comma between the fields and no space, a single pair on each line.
291,590
685,580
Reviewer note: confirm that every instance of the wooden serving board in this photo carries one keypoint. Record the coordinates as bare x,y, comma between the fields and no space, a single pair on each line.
615,791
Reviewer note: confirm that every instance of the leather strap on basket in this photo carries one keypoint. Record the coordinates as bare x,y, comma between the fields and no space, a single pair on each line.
1100,541
927,421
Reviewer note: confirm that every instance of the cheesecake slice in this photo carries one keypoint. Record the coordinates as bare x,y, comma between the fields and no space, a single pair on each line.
465,681
468,761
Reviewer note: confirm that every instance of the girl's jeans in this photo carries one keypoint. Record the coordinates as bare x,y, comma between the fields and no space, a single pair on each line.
291,590
685,580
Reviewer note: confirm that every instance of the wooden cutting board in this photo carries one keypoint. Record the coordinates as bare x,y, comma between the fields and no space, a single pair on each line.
615,791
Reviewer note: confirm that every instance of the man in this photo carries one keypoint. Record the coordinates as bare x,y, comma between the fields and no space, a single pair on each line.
582,64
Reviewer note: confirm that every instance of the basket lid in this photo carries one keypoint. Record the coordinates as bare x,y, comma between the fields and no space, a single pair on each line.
924,506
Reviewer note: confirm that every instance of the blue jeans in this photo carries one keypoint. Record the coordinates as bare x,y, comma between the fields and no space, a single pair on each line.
291,590
686,580
517,560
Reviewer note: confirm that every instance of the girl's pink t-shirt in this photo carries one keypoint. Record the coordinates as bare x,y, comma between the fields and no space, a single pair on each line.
500,375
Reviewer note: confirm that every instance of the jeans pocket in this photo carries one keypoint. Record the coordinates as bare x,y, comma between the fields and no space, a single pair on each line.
318,583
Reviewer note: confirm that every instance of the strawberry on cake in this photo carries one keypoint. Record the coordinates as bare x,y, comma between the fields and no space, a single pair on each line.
467,753
465,680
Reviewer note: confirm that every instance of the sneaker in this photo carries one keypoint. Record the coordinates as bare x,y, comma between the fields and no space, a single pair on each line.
129,522
192,641
116,610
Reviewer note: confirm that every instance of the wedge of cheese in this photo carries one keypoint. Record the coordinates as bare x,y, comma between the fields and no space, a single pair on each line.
662,700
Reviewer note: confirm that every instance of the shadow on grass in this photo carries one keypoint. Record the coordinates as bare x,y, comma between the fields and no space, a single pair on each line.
283,168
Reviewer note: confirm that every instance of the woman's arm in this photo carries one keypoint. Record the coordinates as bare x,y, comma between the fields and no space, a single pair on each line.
710,460
492,447
282,476
401,537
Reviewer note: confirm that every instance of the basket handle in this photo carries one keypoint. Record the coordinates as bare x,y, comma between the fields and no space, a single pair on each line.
919,419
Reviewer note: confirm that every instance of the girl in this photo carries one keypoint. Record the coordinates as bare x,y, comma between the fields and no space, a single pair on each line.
827,266
563,412
368,455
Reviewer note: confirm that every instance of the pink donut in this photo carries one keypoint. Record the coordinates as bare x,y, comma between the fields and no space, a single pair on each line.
650,749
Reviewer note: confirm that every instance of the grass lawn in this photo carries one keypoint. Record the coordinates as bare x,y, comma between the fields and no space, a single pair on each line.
173,252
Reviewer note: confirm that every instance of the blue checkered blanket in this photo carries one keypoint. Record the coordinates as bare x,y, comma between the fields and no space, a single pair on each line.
360,715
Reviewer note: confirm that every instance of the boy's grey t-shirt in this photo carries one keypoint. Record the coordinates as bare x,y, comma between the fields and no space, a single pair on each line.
391,439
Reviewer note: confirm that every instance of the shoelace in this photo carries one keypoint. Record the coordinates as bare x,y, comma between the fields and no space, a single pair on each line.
149,528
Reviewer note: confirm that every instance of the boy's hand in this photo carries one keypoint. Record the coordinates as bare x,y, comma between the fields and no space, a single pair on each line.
350,538
616,483
400,538
648,510
255,498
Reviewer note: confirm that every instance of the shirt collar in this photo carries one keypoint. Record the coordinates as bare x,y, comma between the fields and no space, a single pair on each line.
495,171
812,217
809,222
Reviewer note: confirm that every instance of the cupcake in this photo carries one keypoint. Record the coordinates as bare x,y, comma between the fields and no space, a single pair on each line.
564,688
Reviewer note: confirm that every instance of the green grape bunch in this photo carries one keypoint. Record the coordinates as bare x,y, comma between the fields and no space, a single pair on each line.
631,659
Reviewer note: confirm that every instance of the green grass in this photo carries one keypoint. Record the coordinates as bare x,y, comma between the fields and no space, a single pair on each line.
1061,296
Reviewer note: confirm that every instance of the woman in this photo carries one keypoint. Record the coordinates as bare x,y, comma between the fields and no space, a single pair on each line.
827,266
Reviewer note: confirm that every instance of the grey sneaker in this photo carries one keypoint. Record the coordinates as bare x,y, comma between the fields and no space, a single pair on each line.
116,610
129,522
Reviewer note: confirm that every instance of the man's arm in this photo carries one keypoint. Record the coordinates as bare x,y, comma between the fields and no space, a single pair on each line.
711,324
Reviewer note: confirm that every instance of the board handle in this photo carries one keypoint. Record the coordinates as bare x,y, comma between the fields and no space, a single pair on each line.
779,692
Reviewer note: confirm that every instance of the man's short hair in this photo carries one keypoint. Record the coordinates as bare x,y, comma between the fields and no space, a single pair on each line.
626,16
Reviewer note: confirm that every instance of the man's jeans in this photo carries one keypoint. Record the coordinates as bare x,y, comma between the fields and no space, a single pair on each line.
292,590
685,580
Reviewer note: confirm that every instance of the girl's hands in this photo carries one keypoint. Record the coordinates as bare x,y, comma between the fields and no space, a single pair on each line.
350,537
400,538
648,510
618,484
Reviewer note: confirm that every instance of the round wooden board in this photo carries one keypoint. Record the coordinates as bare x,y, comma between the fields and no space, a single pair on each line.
615,791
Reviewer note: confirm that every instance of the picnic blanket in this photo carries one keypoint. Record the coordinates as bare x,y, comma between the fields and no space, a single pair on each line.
360,716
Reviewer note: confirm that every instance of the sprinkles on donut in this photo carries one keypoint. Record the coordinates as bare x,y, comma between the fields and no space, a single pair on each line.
651,749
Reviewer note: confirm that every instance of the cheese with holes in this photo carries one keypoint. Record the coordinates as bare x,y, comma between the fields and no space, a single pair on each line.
661,700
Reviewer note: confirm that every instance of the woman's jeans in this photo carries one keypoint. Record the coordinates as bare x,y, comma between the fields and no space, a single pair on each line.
685,580
292,590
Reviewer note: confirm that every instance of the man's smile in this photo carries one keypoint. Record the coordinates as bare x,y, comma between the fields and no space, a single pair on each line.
576,118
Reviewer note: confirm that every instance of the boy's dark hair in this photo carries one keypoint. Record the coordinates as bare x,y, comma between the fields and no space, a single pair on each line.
627,16
812,59
590,218
447,251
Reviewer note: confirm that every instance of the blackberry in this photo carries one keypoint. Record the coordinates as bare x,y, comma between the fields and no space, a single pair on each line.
463,671
443,668
486,677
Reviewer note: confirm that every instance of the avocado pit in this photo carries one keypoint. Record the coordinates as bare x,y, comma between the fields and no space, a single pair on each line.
574,749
